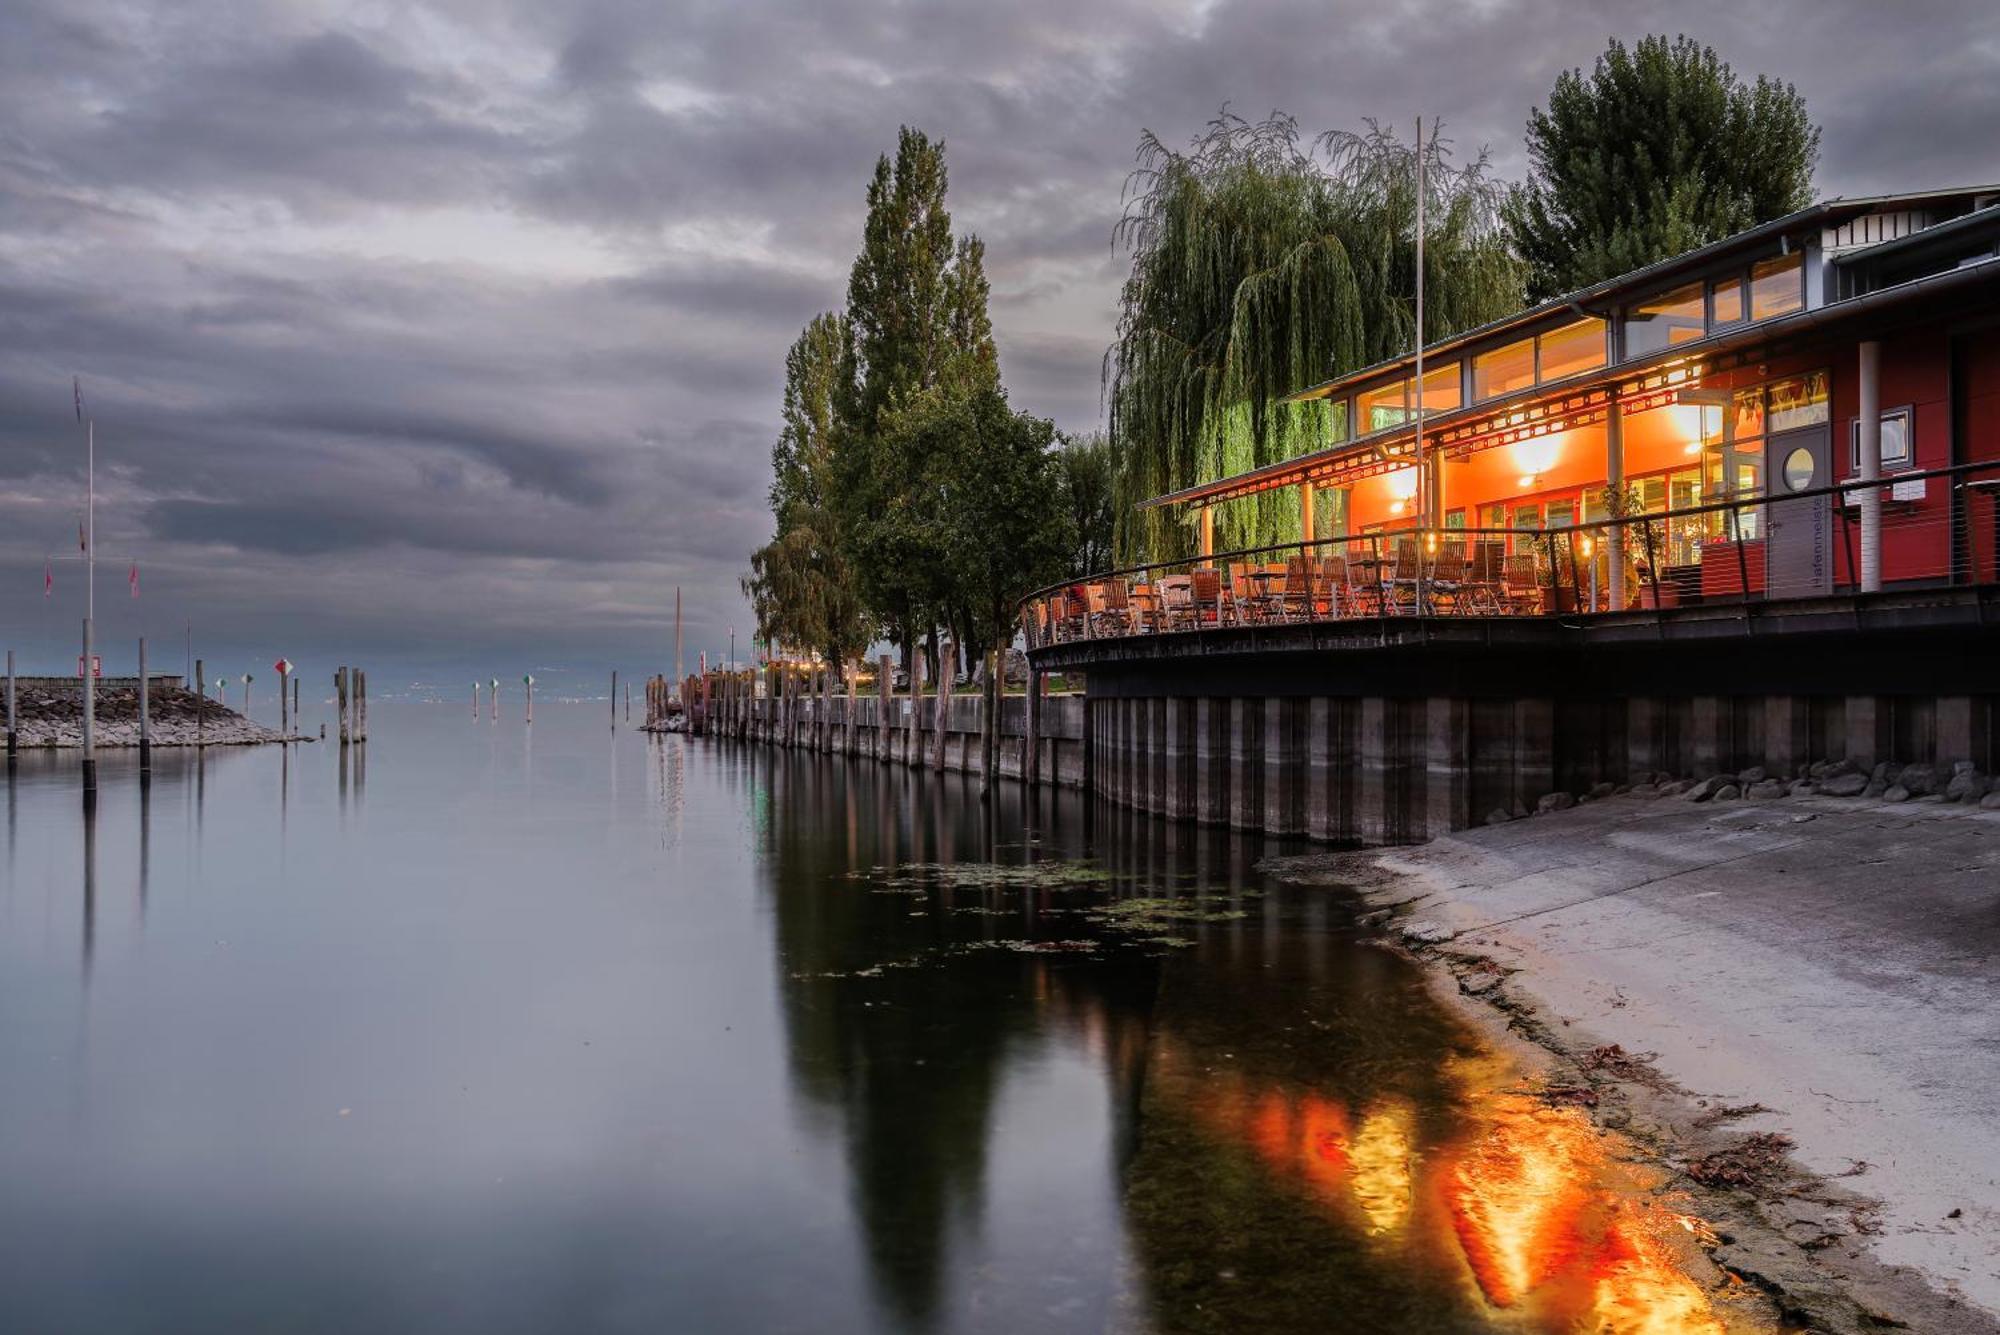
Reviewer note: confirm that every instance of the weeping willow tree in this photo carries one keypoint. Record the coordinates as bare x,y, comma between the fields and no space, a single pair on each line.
1261,265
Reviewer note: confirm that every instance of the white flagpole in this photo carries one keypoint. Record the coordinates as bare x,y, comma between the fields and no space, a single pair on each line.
89,607
1424,517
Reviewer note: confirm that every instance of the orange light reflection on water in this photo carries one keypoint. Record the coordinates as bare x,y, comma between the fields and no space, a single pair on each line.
1545,1219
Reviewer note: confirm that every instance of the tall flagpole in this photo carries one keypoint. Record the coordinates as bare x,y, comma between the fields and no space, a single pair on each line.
89,604
1424,517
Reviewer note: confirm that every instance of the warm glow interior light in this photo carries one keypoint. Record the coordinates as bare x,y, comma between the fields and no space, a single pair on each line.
1537,456
1402,483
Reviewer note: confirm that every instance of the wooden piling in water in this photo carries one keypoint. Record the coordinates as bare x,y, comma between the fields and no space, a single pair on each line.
614,698
340,701
1031,758
200,703
989,722
145,714
13,733
946,654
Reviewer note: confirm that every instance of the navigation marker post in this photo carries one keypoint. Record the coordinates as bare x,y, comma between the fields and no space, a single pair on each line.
145,716
284,669
529,682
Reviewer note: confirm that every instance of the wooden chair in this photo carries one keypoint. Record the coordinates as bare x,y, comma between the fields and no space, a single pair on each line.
1297,599
1448,585
1205,593
1521,590
1177,602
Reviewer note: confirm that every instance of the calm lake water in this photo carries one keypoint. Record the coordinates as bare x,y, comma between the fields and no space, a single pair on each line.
568,1029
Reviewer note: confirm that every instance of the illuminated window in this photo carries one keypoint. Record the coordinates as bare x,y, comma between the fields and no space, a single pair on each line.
1572,350
1800,401
1441,390
1380,409
1336,422
1777,286
1727,302
1665,321
1504,370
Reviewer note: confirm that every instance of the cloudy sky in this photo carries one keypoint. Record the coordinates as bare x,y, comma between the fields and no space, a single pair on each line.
447,337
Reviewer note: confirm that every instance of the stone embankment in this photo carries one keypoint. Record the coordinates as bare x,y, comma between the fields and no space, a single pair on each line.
1785,985
54,718
1889,781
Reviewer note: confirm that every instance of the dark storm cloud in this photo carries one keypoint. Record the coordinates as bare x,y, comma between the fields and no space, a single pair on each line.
462,333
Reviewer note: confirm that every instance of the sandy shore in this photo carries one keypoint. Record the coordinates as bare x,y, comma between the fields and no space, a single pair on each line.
1829,963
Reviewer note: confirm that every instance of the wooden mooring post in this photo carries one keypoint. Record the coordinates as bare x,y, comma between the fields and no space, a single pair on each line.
614,699
200,704
885,687
145,715
947,656
1031,759
13,731
341,702
913,754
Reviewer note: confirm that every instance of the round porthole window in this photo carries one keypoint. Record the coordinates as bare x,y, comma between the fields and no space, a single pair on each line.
1799,469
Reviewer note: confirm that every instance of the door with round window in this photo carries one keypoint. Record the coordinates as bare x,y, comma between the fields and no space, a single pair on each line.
1798,556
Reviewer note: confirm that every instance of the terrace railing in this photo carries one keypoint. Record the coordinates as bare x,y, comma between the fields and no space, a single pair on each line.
1940,527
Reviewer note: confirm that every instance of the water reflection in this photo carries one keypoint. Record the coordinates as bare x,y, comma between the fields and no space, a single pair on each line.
1298,1129
682,1040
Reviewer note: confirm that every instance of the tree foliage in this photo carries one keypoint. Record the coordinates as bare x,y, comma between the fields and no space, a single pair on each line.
994,497
801,584
907,494
1659,150
1261,265
1083,464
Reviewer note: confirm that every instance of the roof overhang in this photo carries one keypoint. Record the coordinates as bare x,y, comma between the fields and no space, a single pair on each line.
1577,401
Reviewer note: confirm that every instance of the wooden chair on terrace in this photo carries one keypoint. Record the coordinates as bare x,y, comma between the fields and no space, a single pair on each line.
1109,608
1522,591
1484,580
1331,584
1404,575
1298,596
1176,602
1448,586
1205,593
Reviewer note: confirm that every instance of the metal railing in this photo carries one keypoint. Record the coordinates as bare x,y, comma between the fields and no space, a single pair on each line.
1940,527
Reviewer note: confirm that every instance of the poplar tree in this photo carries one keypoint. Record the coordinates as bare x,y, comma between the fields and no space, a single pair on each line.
1661,149
917,308
801,584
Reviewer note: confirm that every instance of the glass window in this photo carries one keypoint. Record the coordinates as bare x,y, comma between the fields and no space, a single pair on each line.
1572,350
1504,370
1799,467
1336,421
1442,392
1747,414
1800,401
1895,441
1777,286
1726,301
1665,321
1452,519
1380,409
1562,514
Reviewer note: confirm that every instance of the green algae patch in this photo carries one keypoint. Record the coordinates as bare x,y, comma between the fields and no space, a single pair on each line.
1156,918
